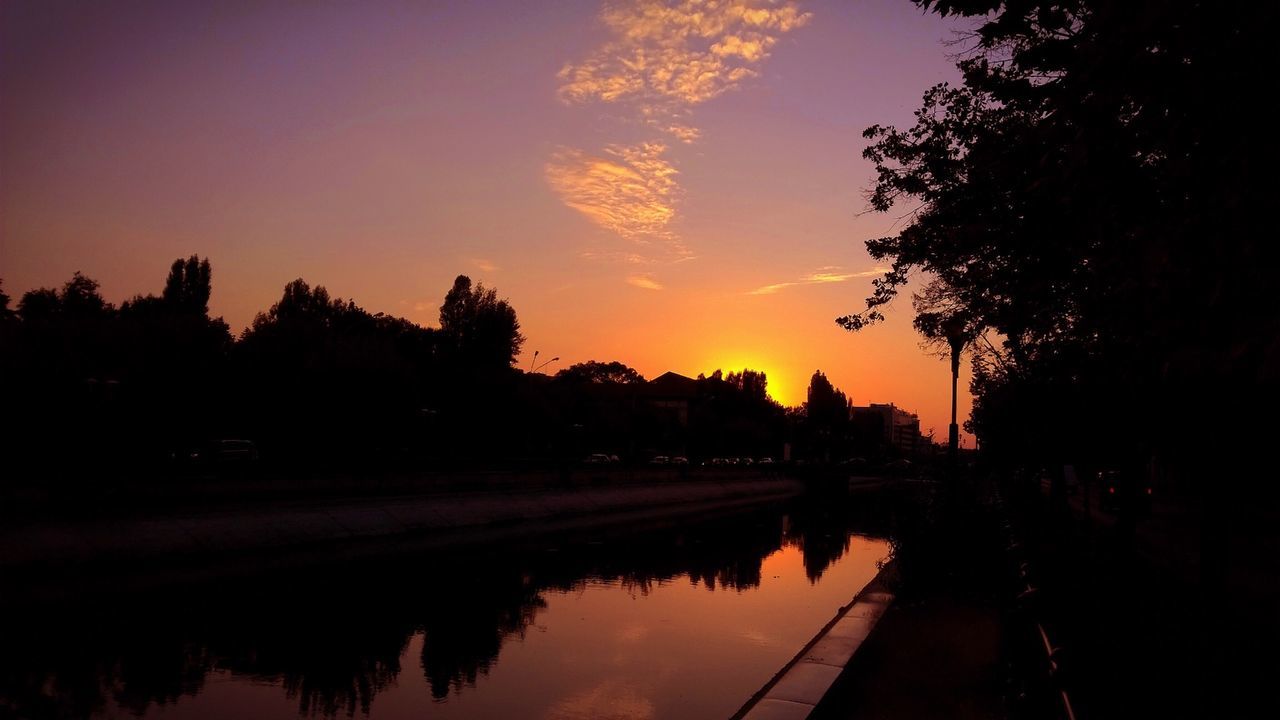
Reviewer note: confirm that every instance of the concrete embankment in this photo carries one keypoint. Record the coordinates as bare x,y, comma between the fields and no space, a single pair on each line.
285,533
800,686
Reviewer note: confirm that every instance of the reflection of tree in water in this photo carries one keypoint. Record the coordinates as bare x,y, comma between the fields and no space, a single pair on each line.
72,668
334,650
138,657
822,538
327,667
824,531
159,672
465,630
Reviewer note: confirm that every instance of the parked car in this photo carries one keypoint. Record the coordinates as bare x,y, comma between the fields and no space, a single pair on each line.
765,461
855,464
660,460
225,452
899,469
234,451
679,460
596,459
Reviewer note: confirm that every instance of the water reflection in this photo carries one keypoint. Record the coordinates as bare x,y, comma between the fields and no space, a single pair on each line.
336,638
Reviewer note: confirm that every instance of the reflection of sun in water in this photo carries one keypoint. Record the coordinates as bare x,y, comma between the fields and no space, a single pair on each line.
633,633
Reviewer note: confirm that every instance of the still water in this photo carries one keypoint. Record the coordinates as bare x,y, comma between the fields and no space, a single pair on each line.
686,622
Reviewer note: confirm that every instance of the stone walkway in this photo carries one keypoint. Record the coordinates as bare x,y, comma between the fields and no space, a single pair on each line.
939,658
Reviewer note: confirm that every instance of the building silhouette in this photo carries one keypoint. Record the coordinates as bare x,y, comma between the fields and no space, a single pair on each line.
894,427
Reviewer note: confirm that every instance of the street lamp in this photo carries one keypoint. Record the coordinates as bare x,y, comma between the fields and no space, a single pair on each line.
955,329
539,367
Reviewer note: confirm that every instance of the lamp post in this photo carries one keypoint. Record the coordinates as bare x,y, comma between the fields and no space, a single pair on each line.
534,360
548,362
954,329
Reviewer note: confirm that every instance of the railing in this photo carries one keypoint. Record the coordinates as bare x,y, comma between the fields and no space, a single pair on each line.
1047,688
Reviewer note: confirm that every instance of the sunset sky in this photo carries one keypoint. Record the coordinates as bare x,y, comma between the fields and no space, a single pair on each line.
675,185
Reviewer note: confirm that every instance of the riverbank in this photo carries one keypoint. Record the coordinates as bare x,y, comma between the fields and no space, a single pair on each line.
941,648
36,556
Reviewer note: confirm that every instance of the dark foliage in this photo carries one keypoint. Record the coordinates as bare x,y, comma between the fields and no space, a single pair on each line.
600,372
1084,205
149,388
121,400
824,428
479,331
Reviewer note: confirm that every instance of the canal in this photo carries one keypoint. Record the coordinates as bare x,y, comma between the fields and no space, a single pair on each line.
685,621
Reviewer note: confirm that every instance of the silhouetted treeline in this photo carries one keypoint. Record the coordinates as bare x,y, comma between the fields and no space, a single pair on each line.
315,380
158,389
333,647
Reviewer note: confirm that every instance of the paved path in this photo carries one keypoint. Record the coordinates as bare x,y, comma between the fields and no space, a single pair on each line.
939,658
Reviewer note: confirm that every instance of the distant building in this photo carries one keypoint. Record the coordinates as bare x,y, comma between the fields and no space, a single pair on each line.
672,393
894,426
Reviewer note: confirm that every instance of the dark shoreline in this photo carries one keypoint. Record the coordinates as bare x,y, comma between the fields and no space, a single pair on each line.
51,559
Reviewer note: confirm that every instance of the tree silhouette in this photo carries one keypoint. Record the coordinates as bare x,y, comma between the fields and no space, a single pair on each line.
751,383
312,365
823,431
173,361
825,406
5,312
734,415
600,372
479,330
61,383
68,332
188,285
1067,201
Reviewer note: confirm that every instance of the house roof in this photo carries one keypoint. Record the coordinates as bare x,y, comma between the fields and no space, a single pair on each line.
670,384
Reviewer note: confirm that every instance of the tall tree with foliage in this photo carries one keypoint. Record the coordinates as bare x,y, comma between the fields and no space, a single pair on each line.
68,333
480,331
1075,207
189,284
826,406
328,376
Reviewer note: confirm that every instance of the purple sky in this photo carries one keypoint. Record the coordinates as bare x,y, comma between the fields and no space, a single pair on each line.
673,185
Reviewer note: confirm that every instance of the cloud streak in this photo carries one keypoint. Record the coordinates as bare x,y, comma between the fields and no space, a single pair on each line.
630,190
670,56
644,281
821,276
661,59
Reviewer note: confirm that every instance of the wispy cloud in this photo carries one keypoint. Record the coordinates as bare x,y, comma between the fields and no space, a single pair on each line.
668,56
684,133
630,190
821,276
644,281
627,258
662,58
484,265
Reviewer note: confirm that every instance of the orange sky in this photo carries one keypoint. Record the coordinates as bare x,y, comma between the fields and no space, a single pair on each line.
676,185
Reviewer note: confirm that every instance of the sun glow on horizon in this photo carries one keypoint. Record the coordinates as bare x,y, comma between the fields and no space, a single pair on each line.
680,192
779,385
